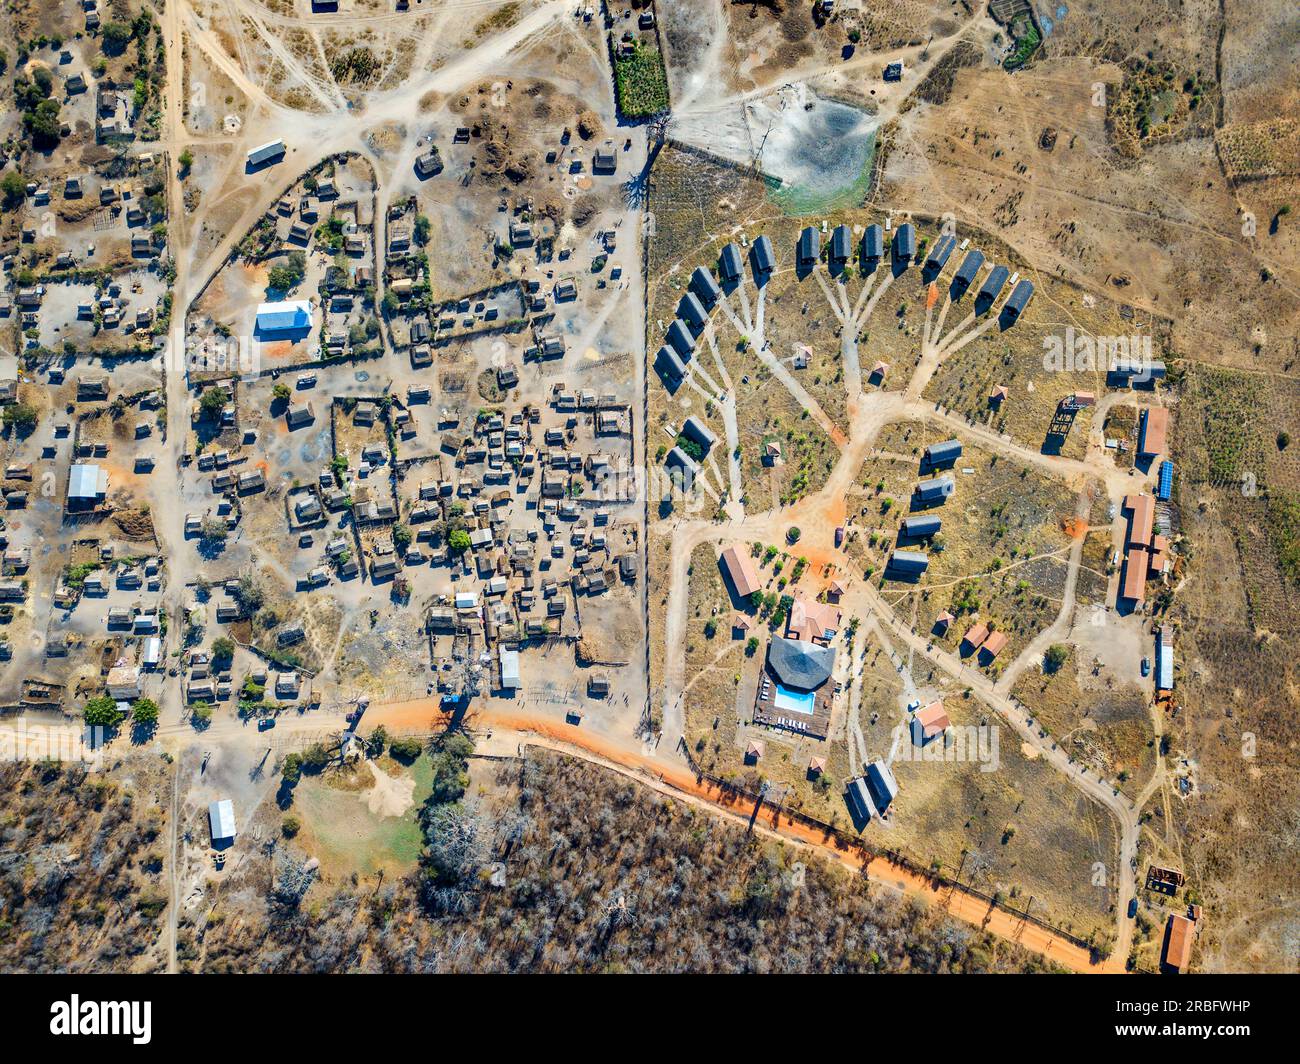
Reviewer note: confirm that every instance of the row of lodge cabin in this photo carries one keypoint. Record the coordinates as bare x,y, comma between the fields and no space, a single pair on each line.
908,562
935,491
1018,300
739,569
873,243
691,311
939,253
706,287
905,243
841,244
941,455
764,256
731,265
983,639
993,284
697,431
921,527
264,153
1153,431
1146,551
809,246
967,271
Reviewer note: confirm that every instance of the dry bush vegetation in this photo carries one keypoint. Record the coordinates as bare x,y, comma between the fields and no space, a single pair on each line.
594,873
81,861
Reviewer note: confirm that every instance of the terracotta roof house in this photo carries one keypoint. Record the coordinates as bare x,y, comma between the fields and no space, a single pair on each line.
754,750
994,643
812,621
1180,934
1153,431
975,635
740,571
929,723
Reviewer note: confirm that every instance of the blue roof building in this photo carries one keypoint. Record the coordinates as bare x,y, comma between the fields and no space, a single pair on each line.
937,489
666,361
692,311
969,268
810,245
286,316
1019,299
1165,485
940,252
993,283
841,243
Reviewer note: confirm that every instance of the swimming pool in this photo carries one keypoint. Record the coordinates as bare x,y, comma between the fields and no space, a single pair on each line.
793,701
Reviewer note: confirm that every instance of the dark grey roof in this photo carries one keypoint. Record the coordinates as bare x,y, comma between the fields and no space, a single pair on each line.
940,252
798,664
905,241
1019,297
936,487
703,283
680,338
841,243
970,266
697,430
730,264
764,256
909,561
810,244
691,310
943,452
873,242
921,526
678,457
668,361
993,283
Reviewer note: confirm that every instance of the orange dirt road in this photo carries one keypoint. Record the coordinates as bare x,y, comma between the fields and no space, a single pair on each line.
421,715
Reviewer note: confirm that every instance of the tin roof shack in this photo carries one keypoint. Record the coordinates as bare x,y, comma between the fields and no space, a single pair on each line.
907,564
263,154
87,487
221,822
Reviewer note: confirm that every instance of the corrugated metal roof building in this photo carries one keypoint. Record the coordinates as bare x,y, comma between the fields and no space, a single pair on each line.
873,243
764,256
221,820
703,282
285,316
993,283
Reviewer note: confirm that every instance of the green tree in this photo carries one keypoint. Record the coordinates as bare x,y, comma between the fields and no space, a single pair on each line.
20,416
281,392
144,712
458,541
102,712
213,401
1056,656
223,648
14,187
